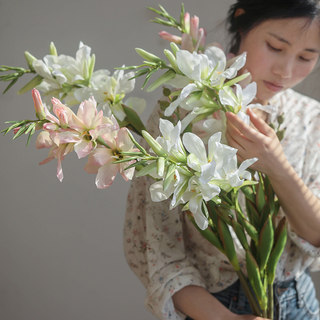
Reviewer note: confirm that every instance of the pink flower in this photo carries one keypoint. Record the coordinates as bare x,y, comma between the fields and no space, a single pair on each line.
82,129
101,159
66,131
56,152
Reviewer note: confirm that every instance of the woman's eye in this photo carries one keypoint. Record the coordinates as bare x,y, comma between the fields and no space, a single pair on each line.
304,59
273,48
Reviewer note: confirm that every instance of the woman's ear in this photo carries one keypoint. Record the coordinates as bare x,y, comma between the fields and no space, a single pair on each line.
239,12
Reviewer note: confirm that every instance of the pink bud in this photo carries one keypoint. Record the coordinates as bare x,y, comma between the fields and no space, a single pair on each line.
40,113
194,27
170,37
187,22
202,38
15,130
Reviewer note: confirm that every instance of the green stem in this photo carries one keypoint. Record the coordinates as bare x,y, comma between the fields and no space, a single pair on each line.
270,302
249,294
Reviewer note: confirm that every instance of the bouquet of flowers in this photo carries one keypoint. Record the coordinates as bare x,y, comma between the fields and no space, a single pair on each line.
200,174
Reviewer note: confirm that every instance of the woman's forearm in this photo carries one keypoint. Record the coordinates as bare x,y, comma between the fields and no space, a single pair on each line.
199,304
300,205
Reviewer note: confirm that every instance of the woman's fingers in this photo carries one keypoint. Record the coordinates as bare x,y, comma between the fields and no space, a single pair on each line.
248,132
260,124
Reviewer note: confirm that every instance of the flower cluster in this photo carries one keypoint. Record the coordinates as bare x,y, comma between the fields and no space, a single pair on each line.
193,175
88,133
189,160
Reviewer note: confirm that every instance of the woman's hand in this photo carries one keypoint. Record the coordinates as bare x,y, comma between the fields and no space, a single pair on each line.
259,140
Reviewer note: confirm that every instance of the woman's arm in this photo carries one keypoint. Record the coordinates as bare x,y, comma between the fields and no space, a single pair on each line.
199,304
300,205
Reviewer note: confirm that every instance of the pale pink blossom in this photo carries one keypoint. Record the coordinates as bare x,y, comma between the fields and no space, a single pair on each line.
56,152
101,160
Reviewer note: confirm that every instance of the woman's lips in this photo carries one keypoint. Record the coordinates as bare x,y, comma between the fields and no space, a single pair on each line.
272,86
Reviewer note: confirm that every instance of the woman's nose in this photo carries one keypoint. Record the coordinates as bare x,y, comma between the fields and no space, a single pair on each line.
283,68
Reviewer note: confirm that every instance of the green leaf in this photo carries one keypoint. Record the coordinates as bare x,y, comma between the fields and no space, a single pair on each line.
238,229
31,134
236,80
255,280
133,118
208,234
168,75
21,131
125,160
260,196
265,244
10,85
227,243
169,176
147,169
279,245
31,84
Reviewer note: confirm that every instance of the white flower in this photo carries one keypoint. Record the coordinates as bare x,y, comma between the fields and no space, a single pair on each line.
239,100
171,141
208,69
61,70
227,173
109,90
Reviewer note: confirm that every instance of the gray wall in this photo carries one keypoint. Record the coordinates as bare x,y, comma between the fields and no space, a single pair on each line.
61,244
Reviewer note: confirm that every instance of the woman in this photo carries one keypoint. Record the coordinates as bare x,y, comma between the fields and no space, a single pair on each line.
183,274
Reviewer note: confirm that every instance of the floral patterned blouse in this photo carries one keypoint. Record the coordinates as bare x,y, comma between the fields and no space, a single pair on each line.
167,253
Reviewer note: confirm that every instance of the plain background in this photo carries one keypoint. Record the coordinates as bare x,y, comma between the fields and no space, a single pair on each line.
61,243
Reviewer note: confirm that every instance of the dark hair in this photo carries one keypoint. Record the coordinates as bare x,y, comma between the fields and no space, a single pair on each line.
244,15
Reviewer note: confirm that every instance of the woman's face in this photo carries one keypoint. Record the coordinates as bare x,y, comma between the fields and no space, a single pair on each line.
280,54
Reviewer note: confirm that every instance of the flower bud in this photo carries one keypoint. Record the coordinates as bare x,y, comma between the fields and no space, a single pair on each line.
155,146
187,22
38,106
170,37
30,59
53,49
194,27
